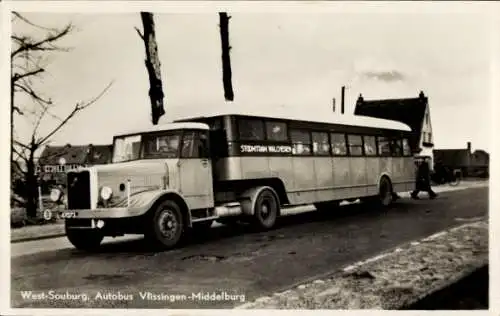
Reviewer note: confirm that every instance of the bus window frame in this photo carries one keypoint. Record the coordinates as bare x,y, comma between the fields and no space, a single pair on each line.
410,154
305,131
375,143
327,154
287,134
388,139
349,145
238,129
207,153
345,144
400,141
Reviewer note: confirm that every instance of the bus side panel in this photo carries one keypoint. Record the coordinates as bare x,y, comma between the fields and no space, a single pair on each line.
323,167
228,168
255,167
386,167
372,174
398,173
357,167
305,180
281,167
341,178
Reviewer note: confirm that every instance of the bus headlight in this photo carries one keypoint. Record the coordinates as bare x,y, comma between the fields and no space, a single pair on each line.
106,193
55,195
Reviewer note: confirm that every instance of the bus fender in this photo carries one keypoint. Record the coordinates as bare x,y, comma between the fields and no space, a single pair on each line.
147,200
383,174
248,198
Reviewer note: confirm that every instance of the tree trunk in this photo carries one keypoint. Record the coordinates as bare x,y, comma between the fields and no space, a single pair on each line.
31,187
153,66
226,59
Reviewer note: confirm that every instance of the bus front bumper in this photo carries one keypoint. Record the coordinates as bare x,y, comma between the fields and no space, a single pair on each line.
116,212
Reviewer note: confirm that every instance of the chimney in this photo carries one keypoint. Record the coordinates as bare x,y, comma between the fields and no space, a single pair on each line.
342,97
469,147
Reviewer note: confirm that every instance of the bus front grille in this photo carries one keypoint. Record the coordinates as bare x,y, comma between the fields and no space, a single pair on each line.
79,190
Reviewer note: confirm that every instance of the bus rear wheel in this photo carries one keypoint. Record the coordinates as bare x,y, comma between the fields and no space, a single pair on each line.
84,239
386,195
166,225
265,210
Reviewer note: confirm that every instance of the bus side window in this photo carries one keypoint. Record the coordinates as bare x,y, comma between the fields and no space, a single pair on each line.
339,146
396,147
276,131
355,145
321,145
203,145
301,142
384,146
251,129
370,145
195,145
406,147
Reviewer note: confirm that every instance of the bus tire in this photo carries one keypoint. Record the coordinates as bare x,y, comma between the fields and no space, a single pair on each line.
165,225
266,210
84,239
386,195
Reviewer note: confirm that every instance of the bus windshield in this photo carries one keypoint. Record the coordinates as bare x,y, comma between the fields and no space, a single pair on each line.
126,148
164,145
158,145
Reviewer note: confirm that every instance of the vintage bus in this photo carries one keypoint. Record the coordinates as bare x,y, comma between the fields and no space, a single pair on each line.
168,179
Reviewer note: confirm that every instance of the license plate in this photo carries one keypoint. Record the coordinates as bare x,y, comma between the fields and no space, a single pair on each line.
68,214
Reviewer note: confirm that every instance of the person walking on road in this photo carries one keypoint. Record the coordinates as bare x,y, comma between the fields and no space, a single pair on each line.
423,181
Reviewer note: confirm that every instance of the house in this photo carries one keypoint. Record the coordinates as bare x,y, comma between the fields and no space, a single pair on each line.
470,163
55,161
414,112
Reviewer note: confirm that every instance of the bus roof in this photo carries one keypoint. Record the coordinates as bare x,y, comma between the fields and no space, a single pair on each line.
165,127
340,119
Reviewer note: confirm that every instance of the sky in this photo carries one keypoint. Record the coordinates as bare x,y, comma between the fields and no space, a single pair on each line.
281,62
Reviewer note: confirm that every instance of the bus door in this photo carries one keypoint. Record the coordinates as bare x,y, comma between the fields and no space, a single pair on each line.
195,169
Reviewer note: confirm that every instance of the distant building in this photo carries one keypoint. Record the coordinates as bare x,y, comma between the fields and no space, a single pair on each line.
470,163
414,112
55,161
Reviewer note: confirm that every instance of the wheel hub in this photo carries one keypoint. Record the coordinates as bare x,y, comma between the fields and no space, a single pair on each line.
167,224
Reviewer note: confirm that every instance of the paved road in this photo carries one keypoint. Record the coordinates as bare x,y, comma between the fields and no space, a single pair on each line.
235,262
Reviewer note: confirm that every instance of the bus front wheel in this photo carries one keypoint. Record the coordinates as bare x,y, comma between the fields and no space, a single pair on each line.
266,209
166,225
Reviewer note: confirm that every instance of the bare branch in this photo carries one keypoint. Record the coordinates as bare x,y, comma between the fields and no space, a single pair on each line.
32,93
17,77
140,34
18,143
78,107
20,154
25,20
42,44
18,110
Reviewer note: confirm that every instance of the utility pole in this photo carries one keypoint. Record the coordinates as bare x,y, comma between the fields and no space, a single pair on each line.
226,59
153,66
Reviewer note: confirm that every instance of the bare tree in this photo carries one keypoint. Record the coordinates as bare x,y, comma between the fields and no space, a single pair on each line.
28,64
153,66
226,59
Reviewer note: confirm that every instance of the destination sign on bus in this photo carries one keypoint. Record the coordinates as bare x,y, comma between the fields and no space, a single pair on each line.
265,148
